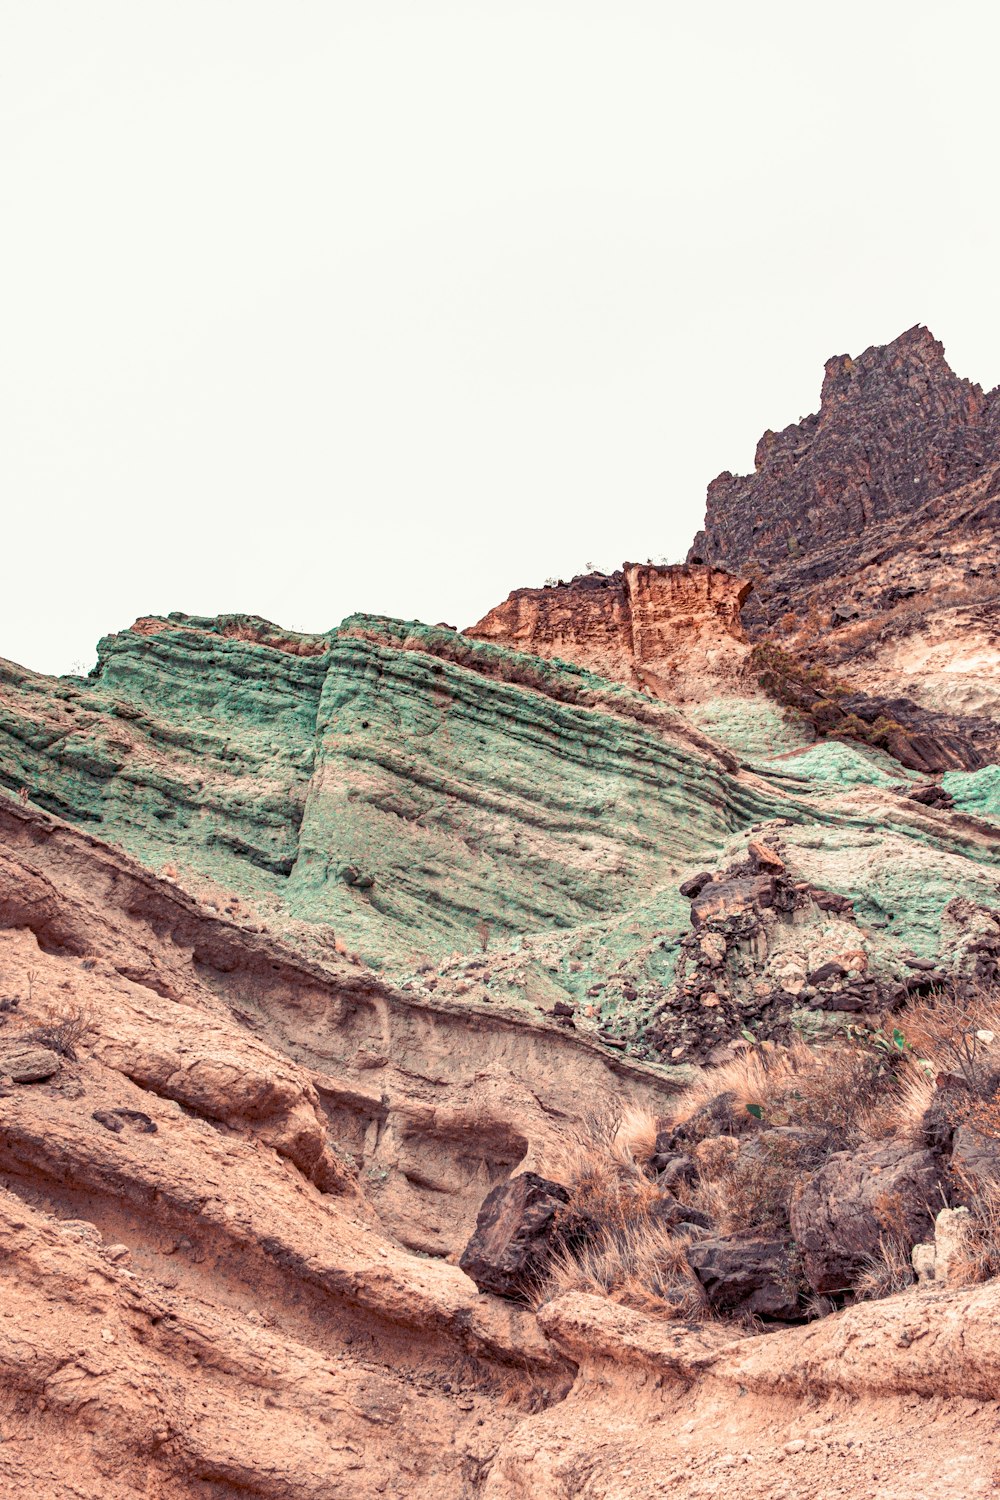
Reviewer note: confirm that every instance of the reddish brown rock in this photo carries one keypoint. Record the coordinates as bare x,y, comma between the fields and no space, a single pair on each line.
747,1276
872,532
516,1233
840,1215
896,427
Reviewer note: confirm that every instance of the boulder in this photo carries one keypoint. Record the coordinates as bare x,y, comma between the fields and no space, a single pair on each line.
975,1155
826,972
730,898
697,883
764,858
520,1224
26,1062
839,1215
749,1276
671,1167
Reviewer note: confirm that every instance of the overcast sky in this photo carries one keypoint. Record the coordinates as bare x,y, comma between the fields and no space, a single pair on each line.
308,308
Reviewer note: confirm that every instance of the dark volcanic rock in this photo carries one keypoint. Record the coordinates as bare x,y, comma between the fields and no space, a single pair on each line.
876,519
515,1235
672,1167
839,1215
895,428
668,1212
747,1276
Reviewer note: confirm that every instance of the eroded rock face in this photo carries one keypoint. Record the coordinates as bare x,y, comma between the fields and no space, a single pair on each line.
640,626
872,529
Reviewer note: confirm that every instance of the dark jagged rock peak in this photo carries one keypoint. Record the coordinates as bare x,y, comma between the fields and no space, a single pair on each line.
896,427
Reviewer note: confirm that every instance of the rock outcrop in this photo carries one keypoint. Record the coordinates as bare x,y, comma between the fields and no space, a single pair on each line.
645,625
872,531
896,428
321,956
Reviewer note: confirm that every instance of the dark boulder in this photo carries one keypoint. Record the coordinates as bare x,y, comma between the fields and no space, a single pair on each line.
694,887
931,794
840,1214
825,973
671,1167
748,1276
520,1225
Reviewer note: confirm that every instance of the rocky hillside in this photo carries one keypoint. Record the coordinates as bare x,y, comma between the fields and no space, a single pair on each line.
555,1059
872,531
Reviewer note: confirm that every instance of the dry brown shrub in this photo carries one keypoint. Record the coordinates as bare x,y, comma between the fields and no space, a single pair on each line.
888,1271
830,1087
957,1032
981,1251
745,1191
901,1111
63,1030
606,1143
641,1266
625,1254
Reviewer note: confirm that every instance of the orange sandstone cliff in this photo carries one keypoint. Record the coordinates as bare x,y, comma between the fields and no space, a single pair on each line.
636,626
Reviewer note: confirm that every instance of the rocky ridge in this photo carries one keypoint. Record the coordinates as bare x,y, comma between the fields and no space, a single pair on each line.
871,530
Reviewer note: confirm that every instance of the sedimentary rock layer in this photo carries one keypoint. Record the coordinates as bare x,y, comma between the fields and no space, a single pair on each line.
399,785
636,626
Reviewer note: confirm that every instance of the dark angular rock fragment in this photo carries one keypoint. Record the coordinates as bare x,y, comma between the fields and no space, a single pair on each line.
521,1224
839,1215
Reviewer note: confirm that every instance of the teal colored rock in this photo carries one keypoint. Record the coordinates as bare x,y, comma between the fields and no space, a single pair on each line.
834,763
470,817
975,792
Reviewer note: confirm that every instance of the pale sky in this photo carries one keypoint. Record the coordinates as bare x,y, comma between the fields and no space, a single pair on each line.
308,308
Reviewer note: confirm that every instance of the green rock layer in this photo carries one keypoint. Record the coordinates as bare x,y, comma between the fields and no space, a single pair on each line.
438,804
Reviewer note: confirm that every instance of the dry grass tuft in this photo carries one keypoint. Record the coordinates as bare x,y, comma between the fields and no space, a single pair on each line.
958,1033
980,1259
888,1271
831,1087
641,1266
748,1191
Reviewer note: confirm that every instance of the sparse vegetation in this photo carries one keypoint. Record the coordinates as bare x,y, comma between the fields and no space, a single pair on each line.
746,1132
813,693
63,1033
889,1271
